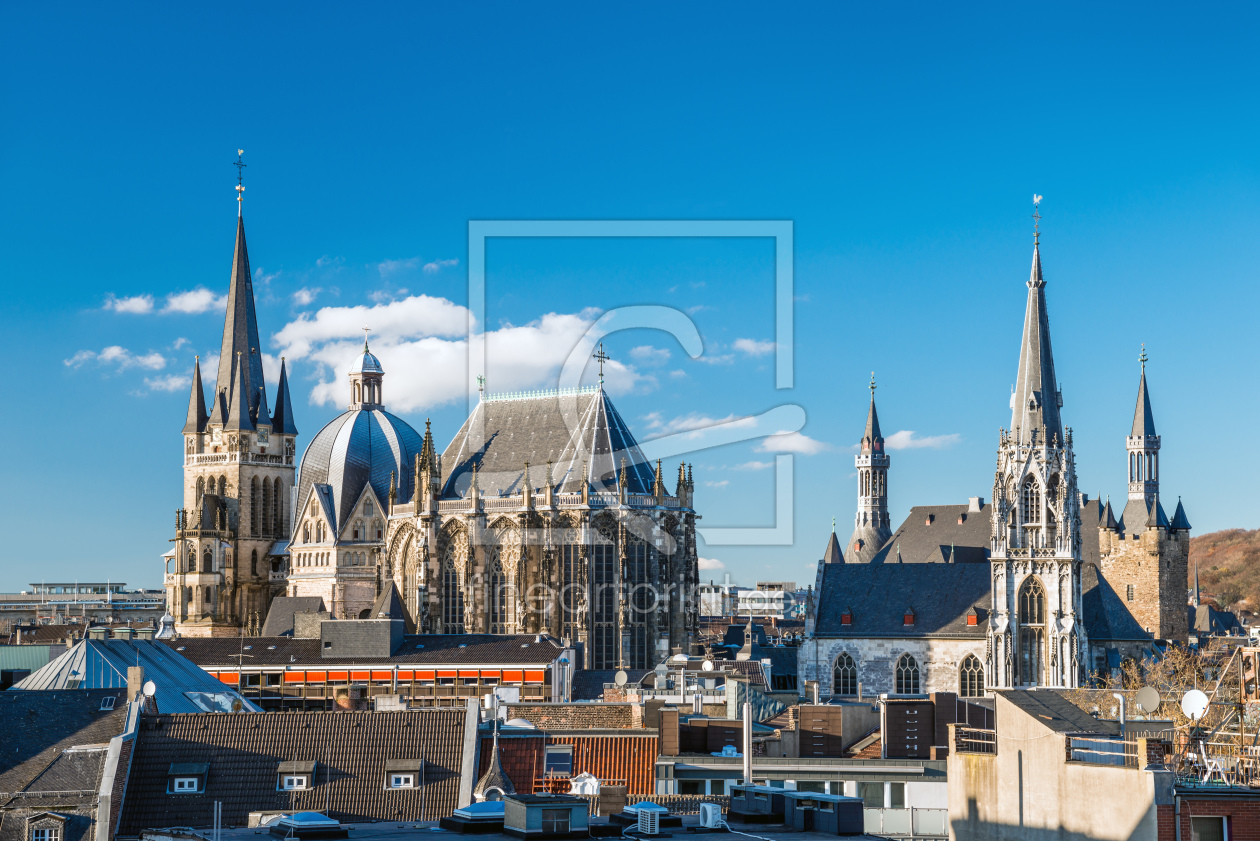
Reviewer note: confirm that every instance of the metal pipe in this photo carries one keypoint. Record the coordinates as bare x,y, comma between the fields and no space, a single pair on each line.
748,743
1120,698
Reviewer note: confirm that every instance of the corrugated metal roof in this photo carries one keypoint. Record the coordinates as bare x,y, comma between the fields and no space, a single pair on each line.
30,657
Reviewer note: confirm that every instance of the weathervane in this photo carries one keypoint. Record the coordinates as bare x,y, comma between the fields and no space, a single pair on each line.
873,386
1036,218
1142,358
602,357
240,179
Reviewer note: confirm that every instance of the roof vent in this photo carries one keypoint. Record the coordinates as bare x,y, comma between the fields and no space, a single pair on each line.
930,518
908,617
975,503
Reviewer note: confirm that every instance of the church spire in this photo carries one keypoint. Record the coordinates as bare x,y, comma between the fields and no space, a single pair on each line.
240,336
238,409
872,440
1143,418
1036,402
282,419
872,525
1143,450
196,402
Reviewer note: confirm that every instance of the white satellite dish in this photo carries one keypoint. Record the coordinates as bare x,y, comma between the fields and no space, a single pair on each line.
621,677
1194,704
707,665
149,689
1148,699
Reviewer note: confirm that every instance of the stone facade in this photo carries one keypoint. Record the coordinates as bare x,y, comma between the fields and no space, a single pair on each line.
939,662
1148,569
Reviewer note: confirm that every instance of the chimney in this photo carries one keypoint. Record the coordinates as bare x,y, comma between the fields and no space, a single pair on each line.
124,633
975,503
145,634
135,681
98,633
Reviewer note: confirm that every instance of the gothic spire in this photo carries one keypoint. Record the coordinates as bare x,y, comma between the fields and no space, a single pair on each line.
282,419
872,439
1143,418
238,408
833,555
1180,522
1036,401
240,334
196,403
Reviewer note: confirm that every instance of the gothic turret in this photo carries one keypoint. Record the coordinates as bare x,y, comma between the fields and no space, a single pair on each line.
282,418
1036,402
1143,449
872,526
197,417
240,336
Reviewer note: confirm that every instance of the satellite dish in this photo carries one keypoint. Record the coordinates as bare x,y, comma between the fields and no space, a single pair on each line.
237,706
621,677
707,665
1194,704
149,689
1148,699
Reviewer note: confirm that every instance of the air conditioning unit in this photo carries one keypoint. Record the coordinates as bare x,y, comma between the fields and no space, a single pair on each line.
710,815
649,821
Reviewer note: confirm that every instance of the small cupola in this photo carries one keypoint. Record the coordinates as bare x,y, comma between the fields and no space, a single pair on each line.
365,381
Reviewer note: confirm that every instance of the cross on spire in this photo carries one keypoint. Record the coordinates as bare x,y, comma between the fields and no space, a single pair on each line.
365,330
602,357
1036,218
873,386
240,179
481,384
1142,358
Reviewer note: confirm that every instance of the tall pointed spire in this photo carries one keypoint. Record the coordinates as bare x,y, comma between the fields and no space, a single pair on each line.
240,335
238,409
1143,418
196,403
1036,401
872,525
872,439
282,419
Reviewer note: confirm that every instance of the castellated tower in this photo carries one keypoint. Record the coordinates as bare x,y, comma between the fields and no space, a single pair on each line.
238,478
871,526
1143,555
1036,636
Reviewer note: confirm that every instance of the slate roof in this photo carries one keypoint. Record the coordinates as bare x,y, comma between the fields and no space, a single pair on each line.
879,593
240,336
40,726
102,664
571,429
1207,620
437,650
1054,712
930,533
244,752
588,684
1035,403
279,621
1143,417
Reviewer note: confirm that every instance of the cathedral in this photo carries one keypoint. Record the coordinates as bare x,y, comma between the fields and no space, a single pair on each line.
1041,586
541,516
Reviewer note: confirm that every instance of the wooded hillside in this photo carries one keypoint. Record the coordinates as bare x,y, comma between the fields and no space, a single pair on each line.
1229,567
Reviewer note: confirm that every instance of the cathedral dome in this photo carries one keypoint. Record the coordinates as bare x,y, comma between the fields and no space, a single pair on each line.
359,447
367,363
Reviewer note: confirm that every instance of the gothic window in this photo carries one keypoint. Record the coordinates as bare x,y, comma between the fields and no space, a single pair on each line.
642,602
603,565
844,678
277,526
907,675
376,528
207,561
1032,501
253,506
253,563
222,486
496,595
306,533
970,678
452,592
201,488
1032,631
209,598
571,586
265,519
358,529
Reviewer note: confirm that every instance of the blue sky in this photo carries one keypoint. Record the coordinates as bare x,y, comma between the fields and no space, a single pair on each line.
903,144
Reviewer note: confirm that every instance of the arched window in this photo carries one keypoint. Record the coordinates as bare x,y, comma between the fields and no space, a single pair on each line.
452,594
970,678
306,533
907,676
253,563
357,534
209,598
367,508
1032,501
1032,631
222,486
201,489
496,593
253,506
275,508
207,561
844,678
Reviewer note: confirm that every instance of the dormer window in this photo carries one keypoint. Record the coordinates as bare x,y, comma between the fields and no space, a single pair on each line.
294,782
402,781
846,618
295,776
973,617
187,777
404,773
908,617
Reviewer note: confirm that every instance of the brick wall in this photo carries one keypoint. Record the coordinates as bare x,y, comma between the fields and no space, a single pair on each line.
1155,566
1243,814
579,716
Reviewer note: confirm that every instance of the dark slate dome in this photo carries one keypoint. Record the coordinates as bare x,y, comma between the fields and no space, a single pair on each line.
359,446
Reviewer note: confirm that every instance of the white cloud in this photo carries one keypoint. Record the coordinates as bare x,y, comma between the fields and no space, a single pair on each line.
648,355
438,265
678,373
168,382
135,305
907,440
693,423
721,484
719,359
753,347
754,465
305,296
329,261
710,563
119,357
179,343
421,342
792,442
194,301
390,267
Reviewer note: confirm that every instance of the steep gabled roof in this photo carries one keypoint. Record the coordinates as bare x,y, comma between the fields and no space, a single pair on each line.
833,555
279,621
572,430
389,605
877,594
238,406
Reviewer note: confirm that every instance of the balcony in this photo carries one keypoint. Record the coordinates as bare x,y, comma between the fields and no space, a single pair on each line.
197,459
906,823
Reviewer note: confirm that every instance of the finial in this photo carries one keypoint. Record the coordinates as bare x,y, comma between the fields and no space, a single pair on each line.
1036,218
873,386
240,179
481,385
833,525
602,357
365,330
1142,358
